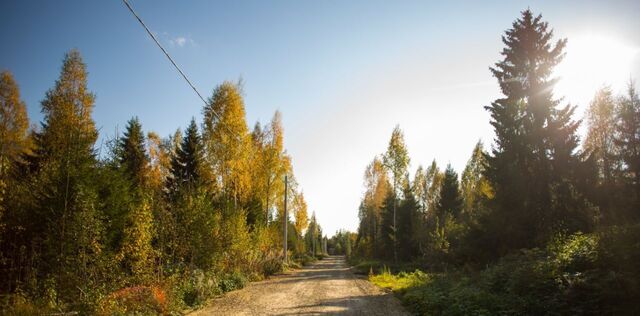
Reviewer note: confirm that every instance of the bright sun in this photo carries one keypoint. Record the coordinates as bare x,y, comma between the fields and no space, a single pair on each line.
591,62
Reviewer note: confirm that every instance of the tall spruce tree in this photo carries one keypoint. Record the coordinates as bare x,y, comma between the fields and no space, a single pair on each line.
187,162
533,160
135,253
450,201
132,154
408,221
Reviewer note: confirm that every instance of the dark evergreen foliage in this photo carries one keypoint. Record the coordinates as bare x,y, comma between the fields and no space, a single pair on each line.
186,164
132,153
533,164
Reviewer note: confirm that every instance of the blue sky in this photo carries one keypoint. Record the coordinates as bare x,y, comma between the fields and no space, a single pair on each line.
342,73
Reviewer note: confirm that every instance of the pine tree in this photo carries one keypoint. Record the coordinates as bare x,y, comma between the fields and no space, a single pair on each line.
132,154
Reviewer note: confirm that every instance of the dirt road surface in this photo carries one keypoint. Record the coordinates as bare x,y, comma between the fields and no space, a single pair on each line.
325,288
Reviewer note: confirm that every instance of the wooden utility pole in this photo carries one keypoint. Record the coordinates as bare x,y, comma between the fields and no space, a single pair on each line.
284,219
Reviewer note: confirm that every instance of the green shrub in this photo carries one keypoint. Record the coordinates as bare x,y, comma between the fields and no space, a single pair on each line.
574,275
401,281
233,281
272,266
198,286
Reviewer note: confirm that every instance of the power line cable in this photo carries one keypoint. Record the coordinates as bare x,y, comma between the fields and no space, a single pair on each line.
174,63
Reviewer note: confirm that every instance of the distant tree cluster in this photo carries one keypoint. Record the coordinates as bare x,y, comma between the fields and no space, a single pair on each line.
341,243
534,183
78,229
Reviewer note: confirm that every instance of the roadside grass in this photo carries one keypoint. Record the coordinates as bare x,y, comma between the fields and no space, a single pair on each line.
399,282
368,266
580,274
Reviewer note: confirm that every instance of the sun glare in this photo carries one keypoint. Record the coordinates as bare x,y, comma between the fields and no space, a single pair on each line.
591,62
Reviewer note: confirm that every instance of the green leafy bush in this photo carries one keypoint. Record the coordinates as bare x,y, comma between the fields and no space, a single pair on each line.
578,274
233,281
196,287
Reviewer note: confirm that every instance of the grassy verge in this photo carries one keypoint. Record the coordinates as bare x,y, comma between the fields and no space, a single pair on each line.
576,275
369,266
178,293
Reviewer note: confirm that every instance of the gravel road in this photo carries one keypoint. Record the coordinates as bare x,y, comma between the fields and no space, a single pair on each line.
327,287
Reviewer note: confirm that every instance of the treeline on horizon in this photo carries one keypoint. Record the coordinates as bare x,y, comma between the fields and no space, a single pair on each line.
156,224
537,224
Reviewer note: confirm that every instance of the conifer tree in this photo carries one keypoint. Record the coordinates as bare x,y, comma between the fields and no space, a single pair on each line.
187,162
409,220
450,201
388,233
132,154
533,160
